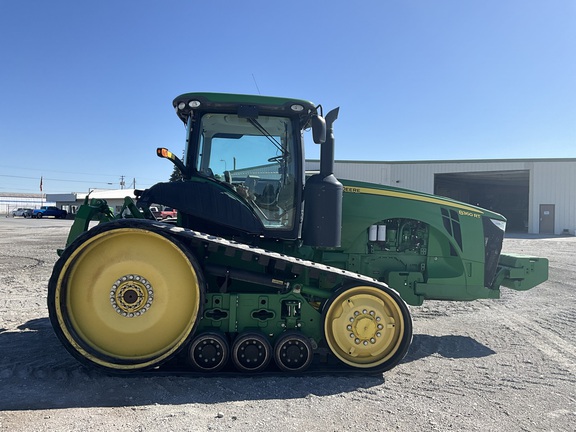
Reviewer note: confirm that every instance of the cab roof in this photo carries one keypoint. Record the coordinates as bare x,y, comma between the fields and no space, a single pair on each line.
228,102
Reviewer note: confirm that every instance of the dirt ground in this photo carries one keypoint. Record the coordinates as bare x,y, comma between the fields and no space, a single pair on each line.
507,364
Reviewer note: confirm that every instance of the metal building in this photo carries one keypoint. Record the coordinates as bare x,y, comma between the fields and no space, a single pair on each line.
537,196
11,201
70,202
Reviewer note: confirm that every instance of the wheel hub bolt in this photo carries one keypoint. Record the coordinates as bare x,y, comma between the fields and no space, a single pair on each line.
365,327
131,295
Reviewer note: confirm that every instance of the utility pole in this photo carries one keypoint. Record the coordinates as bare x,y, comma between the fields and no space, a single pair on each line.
122,182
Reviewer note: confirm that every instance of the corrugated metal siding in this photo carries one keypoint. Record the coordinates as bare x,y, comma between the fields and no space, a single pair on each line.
372,172
368,172
554,183
420,176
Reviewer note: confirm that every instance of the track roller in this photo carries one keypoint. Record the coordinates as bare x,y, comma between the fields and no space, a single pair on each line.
251,352
293,352
368,327
209,352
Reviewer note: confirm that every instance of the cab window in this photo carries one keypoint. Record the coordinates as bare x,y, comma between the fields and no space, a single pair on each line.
257,157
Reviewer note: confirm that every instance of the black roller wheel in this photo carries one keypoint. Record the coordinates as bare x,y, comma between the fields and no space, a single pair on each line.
209,352
251,352
293,352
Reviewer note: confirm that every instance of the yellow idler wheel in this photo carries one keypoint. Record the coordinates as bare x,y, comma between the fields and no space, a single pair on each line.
124,296
368,327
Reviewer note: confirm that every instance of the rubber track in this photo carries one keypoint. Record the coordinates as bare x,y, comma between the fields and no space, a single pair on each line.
263,256
324,363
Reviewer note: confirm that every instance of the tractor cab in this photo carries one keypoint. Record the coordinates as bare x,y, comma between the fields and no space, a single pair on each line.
243,164
258,156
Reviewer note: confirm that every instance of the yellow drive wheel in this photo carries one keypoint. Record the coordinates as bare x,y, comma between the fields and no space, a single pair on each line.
368,327
124,296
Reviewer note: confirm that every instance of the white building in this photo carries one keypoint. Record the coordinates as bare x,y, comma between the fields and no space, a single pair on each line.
70,202
536,195
10,201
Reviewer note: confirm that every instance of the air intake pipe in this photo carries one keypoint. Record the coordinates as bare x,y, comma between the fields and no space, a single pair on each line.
323,197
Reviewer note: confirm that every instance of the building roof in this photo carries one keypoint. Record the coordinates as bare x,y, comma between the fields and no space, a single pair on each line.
449,161
108,194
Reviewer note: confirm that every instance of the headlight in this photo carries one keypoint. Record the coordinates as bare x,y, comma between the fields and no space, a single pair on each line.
499,224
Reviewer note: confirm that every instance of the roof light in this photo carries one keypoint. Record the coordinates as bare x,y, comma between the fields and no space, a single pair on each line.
181,105
194,103
297,108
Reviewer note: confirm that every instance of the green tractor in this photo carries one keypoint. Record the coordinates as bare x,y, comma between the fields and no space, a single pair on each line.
268,268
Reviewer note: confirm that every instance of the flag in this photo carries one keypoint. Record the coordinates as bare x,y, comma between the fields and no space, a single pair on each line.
40,184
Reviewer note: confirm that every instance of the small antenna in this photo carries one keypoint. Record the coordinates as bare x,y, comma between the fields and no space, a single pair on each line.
256,84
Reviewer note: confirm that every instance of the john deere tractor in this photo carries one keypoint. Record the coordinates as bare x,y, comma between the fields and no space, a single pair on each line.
268,268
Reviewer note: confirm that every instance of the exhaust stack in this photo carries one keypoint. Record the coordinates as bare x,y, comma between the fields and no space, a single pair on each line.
323,197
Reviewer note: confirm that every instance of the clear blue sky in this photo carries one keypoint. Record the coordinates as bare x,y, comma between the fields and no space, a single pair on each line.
86,87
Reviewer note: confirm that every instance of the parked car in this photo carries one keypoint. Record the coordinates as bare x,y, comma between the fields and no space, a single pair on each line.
23,212
46,211
168,212
155,211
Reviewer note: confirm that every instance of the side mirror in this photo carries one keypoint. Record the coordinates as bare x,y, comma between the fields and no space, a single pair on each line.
318,129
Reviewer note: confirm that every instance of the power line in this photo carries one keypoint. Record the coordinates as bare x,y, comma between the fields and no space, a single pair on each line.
52,179
15,189
152,180
56,171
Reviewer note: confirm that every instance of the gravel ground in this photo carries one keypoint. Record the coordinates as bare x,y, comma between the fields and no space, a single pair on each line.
507,364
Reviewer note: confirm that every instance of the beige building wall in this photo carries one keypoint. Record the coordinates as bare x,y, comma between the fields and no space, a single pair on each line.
554,183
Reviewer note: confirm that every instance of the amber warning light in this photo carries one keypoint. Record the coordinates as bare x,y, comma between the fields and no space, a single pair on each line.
164,153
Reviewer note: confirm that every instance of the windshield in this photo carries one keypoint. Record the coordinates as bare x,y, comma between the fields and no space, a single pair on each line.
256,156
